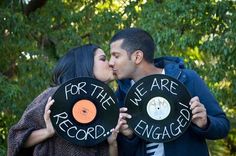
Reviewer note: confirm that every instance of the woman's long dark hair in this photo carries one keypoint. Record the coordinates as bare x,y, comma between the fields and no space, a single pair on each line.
77,62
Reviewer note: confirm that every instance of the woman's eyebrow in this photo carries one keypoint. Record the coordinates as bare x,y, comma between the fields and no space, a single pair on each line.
103,55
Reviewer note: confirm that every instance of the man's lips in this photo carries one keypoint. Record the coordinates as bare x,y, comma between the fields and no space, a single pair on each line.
114,71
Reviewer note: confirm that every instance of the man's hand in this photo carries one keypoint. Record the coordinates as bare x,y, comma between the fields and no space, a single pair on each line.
199,113
124,128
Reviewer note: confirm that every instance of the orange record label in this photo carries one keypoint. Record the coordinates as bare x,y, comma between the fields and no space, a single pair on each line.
84,111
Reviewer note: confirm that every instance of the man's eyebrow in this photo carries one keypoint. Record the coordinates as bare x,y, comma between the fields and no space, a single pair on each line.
115,52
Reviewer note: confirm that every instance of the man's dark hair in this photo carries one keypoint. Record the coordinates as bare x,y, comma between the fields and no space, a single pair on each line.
136,39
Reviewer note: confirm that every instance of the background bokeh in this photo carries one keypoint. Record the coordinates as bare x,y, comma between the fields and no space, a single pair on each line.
36,33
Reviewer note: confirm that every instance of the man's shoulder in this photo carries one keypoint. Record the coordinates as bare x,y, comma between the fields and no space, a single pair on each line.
162,62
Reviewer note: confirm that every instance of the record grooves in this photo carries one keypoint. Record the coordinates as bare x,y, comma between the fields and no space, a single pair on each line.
84,112
159,105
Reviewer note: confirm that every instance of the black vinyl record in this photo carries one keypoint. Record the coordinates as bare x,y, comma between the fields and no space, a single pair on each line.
84,112
159,105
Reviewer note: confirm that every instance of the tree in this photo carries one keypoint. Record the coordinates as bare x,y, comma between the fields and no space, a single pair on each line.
34,36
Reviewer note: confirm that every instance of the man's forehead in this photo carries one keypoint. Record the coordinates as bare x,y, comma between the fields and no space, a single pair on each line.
116,47
117,43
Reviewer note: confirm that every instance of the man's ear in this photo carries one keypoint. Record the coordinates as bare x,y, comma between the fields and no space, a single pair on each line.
137,56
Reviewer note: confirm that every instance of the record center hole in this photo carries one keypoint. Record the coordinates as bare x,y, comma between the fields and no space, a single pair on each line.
84,111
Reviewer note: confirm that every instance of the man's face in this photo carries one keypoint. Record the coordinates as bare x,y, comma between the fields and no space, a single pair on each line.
122,65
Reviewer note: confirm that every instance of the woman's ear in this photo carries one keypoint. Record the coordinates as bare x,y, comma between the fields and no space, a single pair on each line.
137,56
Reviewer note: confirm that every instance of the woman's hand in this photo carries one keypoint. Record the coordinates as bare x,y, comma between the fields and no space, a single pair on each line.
37,136
113,146
112,138
49,128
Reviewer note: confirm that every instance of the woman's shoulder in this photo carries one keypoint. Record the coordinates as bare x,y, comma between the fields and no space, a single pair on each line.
46,93
42,98
49,91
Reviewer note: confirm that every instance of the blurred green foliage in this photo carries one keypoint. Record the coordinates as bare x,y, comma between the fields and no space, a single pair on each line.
32,40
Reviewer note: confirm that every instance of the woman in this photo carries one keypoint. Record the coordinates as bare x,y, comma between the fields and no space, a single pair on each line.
34,133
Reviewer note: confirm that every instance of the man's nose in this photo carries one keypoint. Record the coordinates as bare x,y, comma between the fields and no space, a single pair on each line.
111,62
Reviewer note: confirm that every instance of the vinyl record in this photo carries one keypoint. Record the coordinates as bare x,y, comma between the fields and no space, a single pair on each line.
159,105
84,112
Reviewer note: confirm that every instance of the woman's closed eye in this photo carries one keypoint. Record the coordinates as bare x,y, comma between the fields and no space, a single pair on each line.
103,58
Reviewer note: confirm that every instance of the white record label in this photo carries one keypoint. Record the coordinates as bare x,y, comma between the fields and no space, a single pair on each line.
158,108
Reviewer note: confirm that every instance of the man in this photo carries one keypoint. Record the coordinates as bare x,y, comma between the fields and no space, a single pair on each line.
132,53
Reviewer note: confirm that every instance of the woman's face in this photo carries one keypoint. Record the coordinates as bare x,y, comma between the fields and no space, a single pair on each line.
101,69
